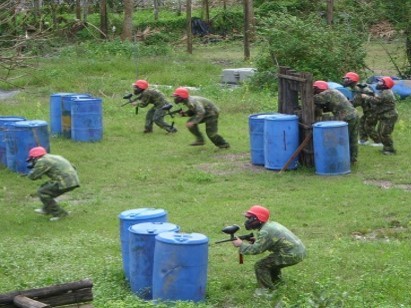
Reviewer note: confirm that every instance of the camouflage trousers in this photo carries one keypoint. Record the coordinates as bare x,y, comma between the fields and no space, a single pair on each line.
268,269
367,127
211,124
157,116
353,138
47,192
385,129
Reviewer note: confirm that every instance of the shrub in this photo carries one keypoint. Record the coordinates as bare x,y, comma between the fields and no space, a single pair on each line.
307,45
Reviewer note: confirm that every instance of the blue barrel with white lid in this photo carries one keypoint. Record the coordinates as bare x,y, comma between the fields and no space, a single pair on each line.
180,267
127,219
142,242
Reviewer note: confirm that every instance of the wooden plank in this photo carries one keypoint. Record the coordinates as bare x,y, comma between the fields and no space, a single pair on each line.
291,77
25,302
296,152
7,298
77,296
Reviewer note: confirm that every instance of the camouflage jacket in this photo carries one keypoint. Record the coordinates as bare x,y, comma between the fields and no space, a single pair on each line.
57,168
334,101
276,238
357,99
151,96
201,108
382,102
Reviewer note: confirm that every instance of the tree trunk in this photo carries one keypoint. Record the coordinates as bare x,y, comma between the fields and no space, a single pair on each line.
156,5
189,30
251,21
206,11
128,20
78,9
103,19
246,30
85,10
330,12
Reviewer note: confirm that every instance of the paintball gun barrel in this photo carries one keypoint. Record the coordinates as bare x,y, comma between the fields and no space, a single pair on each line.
130,101
233,229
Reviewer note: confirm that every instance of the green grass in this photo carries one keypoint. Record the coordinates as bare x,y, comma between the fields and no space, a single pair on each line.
356,227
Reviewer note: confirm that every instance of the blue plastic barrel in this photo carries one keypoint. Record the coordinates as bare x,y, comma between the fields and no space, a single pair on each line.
66,113
142,242
180,267
21,136
331,148
256,132
4,122
281,137
129,218
56,102
344,90
87,119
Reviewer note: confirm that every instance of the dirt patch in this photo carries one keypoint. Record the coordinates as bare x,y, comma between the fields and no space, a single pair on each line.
230,164
382,234
388,185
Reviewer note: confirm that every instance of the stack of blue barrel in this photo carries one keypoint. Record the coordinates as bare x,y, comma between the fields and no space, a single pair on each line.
160,263
274,137
76,116
17,136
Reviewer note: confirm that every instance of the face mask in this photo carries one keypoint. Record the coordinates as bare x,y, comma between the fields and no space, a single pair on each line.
252,223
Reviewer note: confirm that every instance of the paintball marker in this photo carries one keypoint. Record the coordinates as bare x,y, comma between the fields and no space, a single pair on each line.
233,229
168,108
130,101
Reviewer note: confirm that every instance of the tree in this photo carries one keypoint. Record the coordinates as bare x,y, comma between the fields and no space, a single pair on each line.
127,32
103,19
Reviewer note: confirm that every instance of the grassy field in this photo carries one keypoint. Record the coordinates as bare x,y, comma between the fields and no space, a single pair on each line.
356,227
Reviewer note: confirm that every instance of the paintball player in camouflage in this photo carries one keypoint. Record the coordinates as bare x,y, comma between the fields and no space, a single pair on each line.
285,248
63,178
384,105
200,110
368,121
332,100
156,114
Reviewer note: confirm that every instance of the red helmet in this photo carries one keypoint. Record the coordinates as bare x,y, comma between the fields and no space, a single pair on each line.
388,82
142,84
352,76
260,212
37,152
321,85
181,92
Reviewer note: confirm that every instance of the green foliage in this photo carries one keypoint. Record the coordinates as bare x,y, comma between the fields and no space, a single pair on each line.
293,7
307,45
226,22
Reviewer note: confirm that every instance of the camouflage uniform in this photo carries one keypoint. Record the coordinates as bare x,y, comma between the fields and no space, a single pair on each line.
155,114
63,178
285,247
204,111
368,120
334,101
384,106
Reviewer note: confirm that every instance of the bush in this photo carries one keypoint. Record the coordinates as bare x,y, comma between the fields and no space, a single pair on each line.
307,45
